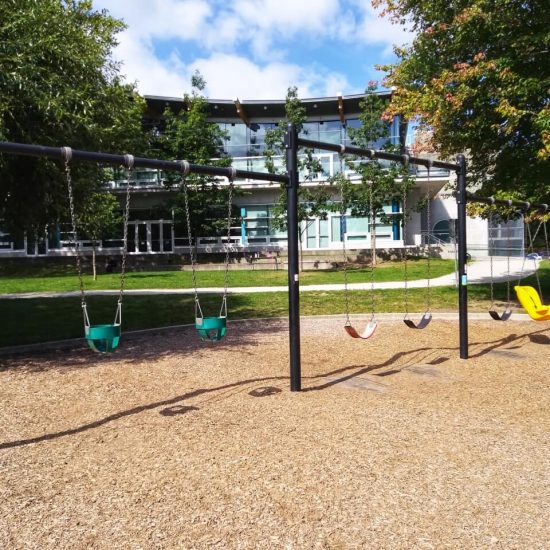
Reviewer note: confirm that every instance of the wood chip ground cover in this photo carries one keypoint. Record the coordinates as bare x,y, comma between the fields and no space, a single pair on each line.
171,443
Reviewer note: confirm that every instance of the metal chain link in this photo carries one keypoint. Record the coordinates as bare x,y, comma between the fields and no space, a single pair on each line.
508,285
126,217
228,244
76,243
373,249
531,241
491,241
183,182
405,263
428,287
343,209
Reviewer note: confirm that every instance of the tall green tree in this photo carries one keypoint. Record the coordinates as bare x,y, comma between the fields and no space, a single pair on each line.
98,217
189,135
312,201
59,86
382,182
477,73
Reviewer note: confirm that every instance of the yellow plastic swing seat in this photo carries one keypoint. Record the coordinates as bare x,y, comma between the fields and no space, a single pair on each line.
530,300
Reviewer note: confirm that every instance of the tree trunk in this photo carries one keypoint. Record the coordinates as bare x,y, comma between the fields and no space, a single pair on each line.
94,270
301,251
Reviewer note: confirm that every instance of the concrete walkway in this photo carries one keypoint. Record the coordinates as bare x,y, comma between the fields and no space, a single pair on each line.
479,272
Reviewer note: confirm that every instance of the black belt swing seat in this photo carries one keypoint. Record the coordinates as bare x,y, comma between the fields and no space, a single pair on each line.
426,318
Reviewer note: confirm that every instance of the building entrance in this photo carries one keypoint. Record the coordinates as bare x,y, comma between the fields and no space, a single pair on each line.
150,237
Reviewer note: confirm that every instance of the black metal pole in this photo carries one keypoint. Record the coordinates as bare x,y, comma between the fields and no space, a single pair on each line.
291,144
461,199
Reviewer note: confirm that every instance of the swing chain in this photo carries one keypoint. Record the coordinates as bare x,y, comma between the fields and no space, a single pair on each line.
491,248
531,248
185,172
343,208
67,155
429,222
405,263
228,243
129,162
373,249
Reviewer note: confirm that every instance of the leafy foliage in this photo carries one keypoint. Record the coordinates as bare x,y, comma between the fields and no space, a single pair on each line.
189,135
381,182
478,75
59,86
97,218
312,201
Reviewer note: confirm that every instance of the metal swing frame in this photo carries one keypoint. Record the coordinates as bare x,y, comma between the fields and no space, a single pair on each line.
209,328
103,338
426,318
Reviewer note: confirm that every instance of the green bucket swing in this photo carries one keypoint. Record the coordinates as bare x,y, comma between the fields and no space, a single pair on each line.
209,328
100,338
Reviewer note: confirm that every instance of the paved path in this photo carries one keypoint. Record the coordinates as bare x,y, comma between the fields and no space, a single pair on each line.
479,272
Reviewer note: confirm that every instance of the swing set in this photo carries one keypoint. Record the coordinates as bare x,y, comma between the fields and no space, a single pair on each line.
109,336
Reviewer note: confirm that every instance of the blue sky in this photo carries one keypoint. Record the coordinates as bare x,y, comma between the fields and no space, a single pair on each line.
253,49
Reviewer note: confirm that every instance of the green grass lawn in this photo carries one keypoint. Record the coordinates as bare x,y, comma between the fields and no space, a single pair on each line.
62,281
24,321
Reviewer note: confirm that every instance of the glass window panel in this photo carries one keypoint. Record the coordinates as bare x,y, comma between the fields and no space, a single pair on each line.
310,130
356,224
236,142
336,228
311,232
323,234
330,131
257,211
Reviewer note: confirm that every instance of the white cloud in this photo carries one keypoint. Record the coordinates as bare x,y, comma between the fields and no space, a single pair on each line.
163,19
245,47
373,29
230,76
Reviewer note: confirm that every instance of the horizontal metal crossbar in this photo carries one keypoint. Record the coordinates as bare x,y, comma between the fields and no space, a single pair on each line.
373,154
524,206
139,162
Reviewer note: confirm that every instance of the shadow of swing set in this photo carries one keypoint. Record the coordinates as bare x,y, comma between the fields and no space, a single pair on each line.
106,338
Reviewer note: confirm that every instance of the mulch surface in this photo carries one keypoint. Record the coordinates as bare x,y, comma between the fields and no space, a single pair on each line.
395,442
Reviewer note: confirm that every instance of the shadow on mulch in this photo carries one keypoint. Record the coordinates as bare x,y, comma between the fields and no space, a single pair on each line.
173,406
136,348
421,356
171,409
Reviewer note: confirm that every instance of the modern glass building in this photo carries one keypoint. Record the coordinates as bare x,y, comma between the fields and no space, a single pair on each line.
153,228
